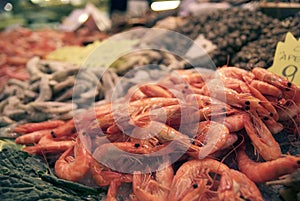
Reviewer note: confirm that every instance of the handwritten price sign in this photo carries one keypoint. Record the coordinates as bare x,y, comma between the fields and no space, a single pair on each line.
287,59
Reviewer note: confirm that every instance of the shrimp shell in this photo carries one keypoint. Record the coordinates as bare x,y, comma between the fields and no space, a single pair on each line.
73,168
266,171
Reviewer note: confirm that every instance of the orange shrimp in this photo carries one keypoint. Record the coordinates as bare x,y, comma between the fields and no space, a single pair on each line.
140,106
266,171
287,111
67,128
122,114
213,112
129,147
239,187
271,78
48,138
162,132
189,76
289,89
17,60
154,186
52,147
176,115
232,138
266,88
73,168
274,126
155,90
235,72
114,129
198,193
190,176
209,107
234,122
113,191
100,110
119,158
17,75
243,101
32,137
212,133
203,101
169,114
102,122
295,96
235,84
210,137
31,127
135,93
103,176
103,109
265,103
262,138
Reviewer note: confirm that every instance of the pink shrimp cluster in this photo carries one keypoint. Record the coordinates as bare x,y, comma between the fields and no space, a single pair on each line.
203,116
20,44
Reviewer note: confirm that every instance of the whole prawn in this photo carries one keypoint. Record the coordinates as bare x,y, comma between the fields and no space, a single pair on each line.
261,137
73,168
210,137
57,130
191,176
31,127
289,89
239,187
51,147
155,186
260,172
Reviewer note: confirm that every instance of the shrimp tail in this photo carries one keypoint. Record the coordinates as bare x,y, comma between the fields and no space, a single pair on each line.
266,171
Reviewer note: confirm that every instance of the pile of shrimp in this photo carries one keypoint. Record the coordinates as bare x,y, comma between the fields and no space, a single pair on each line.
168,138
20,44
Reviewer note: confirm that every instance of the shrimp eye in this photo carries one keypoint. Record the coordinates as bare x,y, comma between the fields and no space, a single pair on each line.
271,114
247,108
195,185
247,102
84,133
137,145
289,84
287,89
53,134
186,86
266,118
298,161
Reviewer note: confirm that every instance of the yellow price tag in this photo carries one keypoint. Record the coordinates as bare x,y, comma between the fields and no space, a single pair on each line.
287,59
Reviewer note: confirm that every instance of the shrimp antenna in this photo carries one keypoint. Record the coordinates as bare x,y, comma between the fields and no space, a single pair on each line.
47,163
289,111
228,60
234,148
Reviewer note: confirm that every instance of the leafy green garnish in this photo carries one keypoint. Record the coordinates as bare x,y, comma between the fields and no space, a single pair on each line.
9,144
26,177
